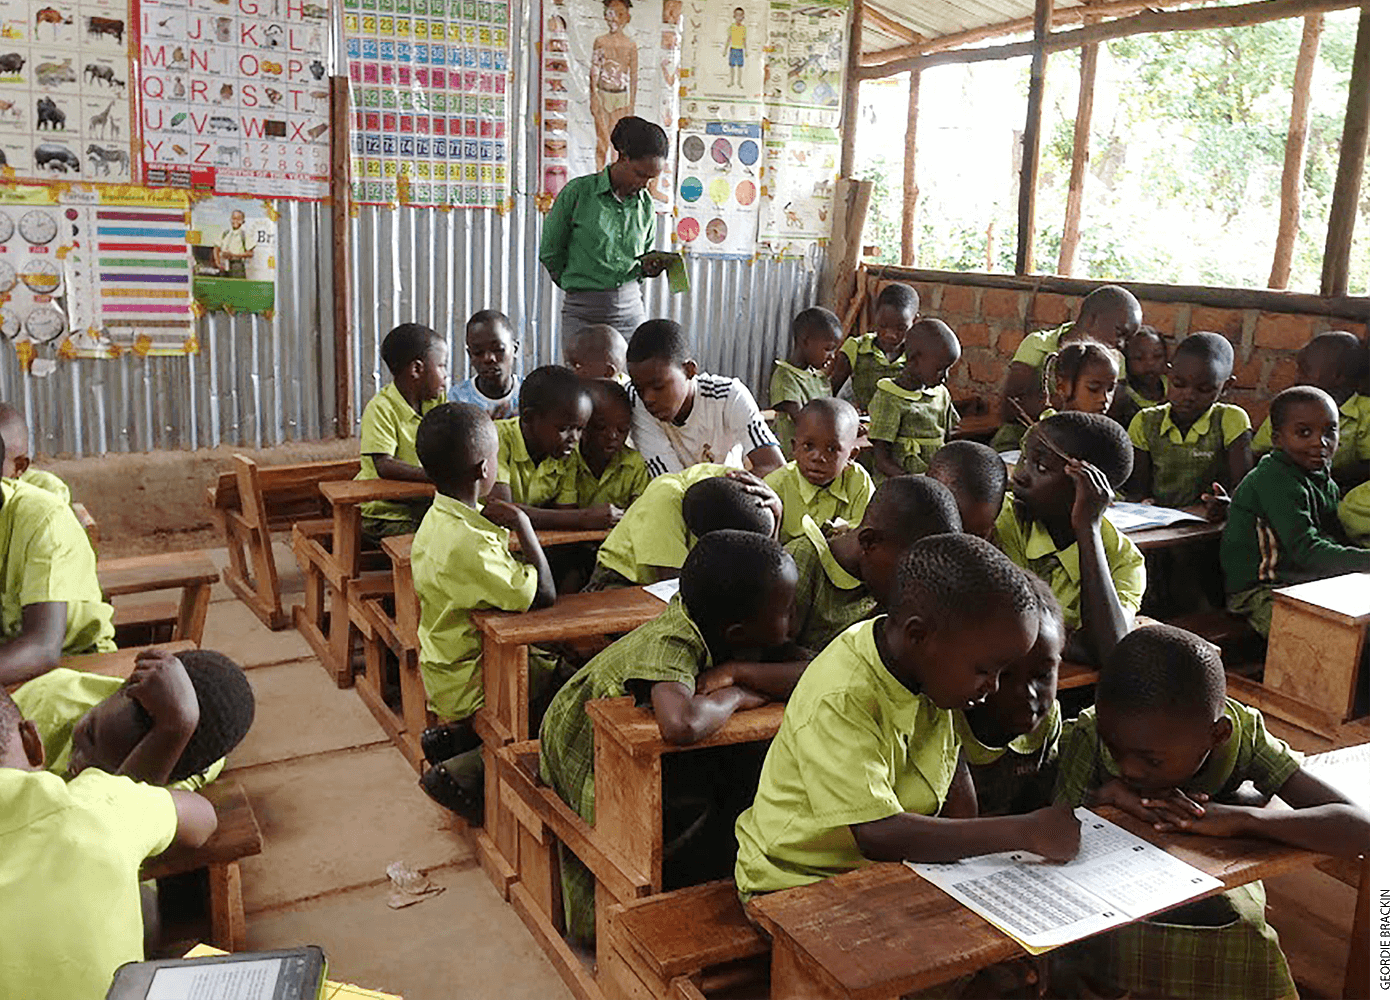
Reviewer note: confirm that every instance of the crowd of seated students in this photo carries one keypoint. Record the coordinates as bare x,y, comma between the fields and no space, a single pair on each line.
908,599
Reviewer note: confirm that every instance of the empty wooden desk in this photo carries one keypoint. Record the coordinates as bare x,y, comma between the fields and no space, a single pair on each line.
1316,639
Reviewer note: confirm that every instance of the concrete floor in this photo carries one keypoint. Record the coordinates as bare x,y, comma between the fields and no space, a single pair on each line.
337,804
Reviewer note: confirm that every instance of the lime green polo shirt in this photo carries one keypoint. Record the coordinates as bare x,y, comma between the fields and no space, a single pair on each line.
1353,433
1139,400
652,533
914,422
623,480
47,557
70,862
49,482
1036,347
1031,547
461,563
1184,465
829,599
591,239
855,746
548,484
845,497
1355,514
57,701
389,426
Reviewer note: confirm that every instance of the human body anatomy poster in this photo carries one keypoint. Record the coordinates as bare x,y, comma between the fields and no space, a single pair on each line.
428,81
65,90
799,179
717,189
723,75
236,99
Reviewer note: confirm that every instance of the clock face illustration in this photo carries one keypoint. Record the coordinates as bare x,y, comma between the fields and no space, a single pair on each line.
38,228
7,227
7,277
41,277
44,324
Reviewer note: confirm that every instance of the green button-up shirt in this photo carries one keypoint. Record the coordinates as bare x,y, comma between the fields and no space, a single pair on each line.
591,239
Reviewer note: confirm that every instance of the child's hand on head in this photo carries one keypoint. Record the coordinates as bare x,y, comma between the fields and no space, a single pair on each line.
758,488
1092,494
498,511
1054,833
160,684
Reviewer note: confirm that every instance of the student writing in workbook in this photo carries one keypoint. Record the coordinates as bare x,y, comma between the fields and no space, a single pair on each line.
491,382
15,433
597,351
821,481
865,766
417,359
1144,382
1165,744
976,476
866,359
844,577
802,376
687,416
734,608
70,859
912,414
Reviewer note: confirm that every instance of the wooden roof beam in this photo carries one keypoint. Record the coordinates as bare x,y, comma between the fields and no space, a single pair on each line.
878,18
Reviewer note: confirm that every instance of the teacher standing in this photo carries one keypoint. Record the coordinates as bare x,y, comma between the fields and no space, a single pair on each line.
598,228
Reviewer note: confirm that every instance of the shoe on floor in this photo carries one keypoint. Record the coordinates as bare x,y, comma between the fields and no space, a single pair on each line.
447,792
439,743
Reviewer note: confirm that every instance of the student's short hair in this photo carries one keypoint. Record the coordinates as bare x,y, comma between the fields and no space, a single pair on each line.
728,576
488,317
1278,406
816,320
601,341
907,508
407,343
451,437
1093,438
550,387
1045,597
935,331
1146,330
898,295
1161,668
659,338
1352,355
948,579
720,503
1213,349
1069,361
970,469
601,389
637,138
841,413
1108,299
225,710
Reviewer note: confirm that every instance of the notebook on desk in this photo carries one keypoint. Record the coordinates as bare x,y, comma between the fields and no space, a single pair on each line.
1129,517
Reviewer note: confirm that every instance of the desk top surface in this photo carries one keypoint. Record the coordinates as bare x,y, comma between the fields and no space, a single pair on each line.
343,492
572,616
1348,595
636,728
1148,539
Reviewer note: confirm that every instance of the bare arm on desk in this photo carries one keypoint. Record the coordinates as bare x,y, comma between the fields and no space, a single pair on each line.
1100,610
389,467
772,680
39,646
685,718
599,517
1052,832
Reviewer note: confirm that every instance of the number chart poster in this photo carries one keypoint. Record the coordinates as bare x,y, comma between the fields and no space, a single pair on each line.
806,61
717,212
235,98
600,62
65,90
799,178
429,81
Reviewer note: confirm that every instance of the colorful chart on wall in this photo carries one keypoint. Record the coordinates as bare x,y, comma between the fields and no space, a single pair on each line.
806,61
600,61
235,99
429,84
35,238
717,189
234,242
65,89
799,178
723,76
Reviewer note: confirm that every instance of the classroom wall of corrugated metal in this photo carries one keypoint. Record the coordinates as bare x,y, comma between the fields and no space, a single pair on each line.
257,383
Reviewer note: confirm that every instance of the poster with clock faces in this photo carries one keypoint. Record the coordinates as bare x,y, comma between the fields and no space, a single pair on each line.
34,240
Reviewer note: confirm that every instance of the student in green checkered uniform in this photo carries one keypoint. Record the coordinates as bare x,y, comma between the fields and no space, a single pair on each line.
1144,383
695,665
802,376
866,359
1164,744
822,482
912,414
842,578
1193,443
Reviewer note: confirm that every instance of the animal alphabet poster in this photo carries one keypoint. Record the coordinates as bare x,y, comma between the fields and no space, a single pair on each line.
235,97
428,80
718,188
799,177
65,90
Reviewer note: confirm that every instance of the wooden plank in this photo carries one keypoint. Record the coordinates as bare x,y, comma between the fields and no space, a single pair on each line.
911,182
1351,164
237,835
635,728
1314,658
115,664
850,108
342,290
1281,705
890,26
358,491
682,932
226,918
1030,143
572,616
1291,185
1344,599
1079,155
165,571
577,978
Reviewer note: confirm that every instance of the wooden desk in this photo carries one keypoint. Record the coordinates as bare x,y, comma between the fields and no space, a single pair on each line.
116,664
1148,539
867,934
1316,639
192,573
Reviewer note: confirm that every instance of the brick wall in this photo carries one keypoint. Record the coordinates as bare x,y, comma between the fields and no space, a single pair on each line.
990,323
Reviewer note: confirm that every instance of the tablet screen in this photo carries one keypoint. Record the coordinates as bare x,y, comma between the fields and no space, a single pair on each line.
258,979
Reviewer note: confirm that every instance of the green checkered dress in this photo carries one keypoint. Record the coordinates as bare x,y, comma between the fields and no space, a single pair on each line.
667,648
791,384
869,364
1202,951
1183,467
1016,778
914,421
829,600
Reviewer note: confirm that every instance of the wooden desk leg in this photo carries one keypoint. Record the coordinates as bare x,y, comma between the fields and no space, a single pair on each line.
340,639
1314,660
194,608
1358,975
627,805
506,683
226,906
796,977
345,547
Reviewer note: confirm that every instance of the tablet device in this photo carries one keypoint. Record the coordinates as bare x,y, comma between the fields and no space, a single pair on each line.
291,974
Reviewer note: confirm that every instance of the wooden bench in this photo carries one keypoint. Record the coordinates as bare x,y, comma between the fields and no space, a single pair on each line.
192,573
88,522
236,837
1316,639
248,505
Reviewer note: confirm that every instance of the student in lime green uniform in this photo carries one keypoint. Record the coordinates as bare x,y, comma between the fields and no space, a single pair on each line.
70,862
597,351
1144,383
865,766
605,469
1166,745
1355,514
417,359
821,481
15,433
802,376
912,414
976,476
866,359
462,563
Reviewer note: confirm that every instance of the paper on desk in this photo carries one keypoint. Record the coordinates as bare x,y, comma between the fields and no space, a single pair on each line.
664,590
1348,770
1117,878
1139,516
329,990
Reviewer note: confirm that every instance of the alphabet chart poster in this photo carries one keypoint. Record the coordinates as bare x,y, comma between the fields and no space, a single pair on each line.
65,104
717,210
428,80
235,98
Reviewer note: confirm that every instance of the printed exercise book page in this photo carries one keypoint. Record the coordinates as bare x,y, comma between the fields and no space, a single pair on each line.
1117,877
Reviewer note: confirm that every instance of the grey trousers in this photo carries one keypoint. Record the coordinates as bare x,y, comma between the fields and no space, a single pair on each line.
620,308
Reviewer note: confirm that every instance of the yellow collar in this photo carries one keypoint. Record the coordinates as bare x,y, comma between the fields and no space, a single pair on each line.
894,388
839,487
1193,433
835,572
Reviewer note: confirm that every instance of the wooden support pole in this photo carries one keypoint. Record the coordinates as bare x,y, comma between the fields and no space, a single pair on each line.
911,183
1292,186
1351,162
850,110
1030,142
340,252
848,209
1079,158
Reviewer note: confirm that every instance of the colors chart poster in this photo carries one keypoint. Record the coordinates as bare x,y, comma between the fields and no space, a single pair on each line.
718,189
429,81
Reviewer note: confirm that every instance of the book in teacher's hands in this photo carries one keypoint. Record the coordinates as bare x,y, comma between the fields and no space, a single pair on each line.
1117,878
